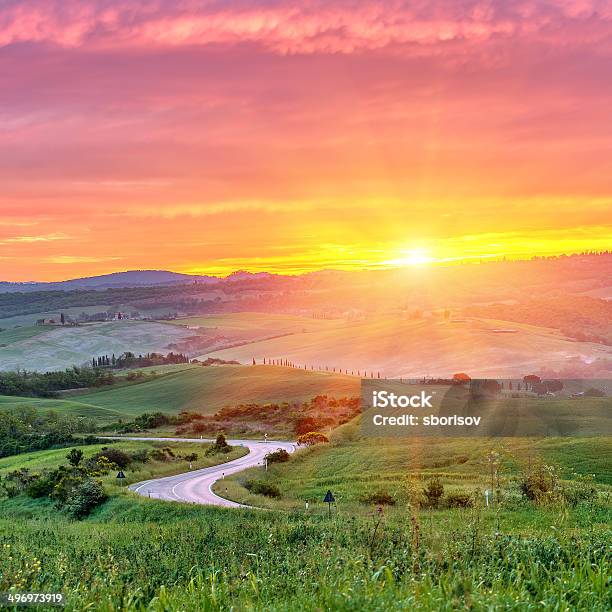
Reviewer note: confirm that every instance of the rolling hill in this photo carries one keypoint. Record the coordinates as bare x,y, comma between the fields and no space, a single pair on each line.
56,348
203,390
398,347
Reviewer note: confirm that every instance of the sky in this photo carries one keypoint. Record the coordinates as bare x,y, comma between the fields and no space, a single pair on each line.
208,136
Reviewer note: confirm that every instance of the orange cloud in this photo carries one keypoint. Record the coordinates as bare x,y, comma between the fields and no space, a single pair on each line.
298,135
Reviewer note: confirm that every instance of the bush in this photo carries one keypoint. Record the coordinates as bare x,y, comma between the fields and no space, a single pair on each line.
163,454
84,497
433,492
414,492
459,499
260,487
220,446
580,489
75,456
311,438
120,458
278,456
305,425
41,486
140,456
539,484
379,498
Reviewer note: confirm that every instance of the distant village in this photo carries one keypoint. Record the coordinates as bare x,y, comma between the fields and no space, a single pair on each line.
97,317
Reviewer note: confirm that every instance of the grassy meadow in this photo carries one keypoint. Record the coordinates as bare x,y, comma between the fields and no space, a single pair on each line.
134,553
354,467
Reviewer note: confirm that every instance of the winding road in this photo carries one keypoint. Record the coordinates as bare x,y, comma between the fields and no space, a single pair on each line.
195,487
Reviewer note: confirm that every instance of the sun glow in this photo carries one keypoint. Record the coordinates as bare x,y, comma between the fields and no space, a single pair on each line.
411,258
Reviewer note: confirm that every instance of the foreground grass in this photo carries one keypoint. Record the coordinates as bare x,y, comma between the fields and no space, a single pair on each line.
143,554
135,553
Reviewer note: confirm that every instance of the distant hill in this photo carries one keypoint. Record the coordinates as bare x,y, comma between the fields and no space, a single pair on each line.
132,278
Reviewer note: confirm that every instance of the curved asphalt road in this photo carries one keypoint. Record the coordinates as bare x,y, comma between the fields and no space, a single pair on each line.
196,487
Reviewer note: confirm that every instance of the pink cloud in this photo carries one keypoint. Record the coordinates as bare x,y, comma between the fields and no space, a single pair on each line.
309,26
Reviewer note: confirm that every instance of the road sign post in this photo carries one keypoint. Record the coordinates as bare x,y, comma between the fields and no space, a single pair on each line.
329,499
120,476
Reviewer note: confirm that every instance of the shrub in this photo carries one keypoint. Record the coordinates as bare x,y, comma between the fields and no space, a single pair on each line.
414,492
100,466
41,486
260,487
140,456
84,497
120,458
74,456
151,421
539,484
311,438
580,488
199,428
379,498
278,456
163,454
459,499
304,425
433,492
221,441
220,446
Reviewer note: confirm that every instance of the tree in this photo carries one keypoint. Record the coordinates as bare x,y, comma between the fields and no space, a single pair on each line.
75,457
278,456
530,380
221,441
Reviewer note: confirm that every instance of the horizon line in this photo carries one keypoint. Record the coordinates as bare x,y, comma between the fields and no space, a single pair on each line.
380,266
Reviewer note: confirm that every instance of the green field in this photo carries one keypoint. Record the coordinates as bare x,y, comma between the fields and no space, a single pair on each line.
61,406
55,348
205,390
412,348
134,553
354,466
200,389
16,334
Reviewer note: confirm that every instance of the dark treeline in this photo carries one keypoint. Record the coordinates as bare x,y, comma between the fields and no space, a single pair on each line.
46,384
29,302
24,429
130,360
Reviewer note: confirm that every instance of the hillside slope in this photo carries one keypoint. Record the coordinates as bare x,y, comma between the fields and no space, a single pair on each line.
399,347
203,390
55,348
